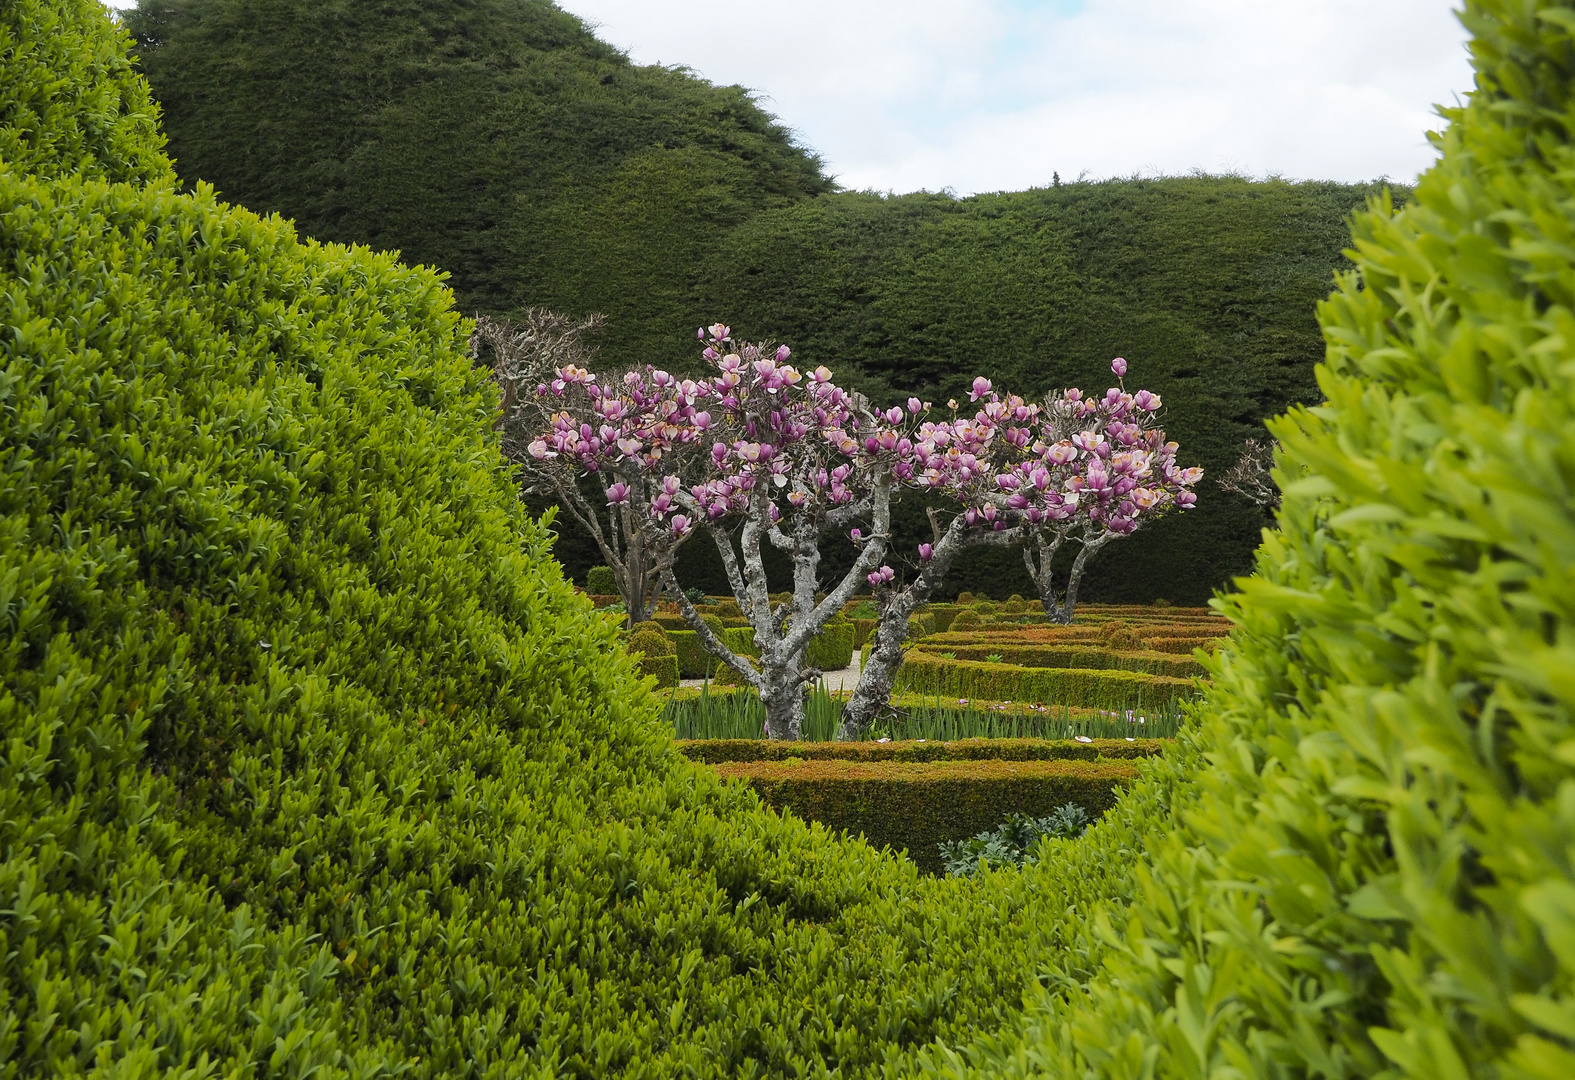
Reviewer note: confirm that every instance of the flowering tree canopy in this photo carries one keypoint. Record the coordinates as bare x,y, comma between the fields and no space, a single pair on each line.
1077,468
525,355
1099,469
780,456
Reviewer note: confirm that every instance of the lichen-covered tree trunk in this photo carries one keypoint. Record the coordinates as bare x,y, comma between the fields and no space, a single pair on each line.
782,634
1039,556
872,695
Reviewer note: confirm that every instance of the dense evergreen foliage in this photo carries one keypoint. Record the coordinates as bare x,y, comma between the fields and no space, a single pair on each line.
314,765
500,141
1375,879
1206,285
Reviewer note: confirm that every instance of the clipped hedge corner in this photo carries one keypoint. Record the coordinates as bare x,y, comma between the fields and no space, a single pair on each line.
915,806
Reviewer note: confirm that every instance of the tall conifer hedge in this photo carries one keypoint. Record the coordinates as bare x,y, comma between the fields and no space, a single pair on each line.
504,143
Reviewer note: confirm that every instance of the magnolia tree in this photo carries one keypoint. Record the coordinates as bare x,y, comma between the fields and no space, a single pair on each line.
756,448
528,357
961,459
1099,469
1073,469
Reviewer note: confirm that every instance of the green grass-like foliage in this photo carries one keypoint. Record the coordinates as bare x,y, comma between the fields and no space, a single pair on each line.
1375,876
313,764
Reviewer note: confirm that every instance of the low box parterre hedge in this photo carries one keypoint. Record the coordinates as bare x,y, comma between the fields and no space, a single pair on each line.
714,751
917,805
1064,656
925,673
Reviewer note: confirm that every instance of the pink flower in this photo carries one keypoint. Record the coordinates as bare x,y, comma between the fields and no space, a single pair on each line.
926,552
617,493
981,387
1119,366
915,406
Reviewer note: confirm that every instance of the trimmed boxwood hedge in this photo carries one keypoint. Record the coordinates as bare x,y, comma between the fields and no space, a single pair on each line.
925,673
915,806
694,662
1181,645
1072,656
832,648
712,751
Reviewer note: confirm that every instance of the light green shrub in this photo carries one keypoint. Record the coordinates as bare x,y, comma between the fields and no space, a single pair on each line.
694,660
71,102
657,657
314,764
1373,878
1098,688
832,648
966,619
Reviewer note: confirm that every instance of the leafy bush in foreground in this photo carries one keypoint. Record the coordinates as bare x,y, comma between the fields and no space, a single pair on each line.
314,764
1374,878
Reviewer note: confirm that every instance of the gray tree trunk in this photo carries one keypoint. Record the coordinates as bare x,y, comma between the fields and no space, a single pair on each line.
782,634
1039,557
872,695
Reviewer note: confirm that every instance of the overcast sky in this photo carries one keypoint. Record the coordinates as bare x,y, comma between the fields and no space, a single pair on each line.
990,95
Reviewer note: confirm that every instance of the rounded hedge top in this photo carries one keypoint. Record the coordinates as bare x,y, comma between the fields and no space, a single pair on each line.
303,724
70,100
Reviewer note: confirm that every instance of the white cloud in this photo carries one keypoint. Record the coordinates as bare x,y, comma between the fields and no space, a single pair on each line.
997,95
984,95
